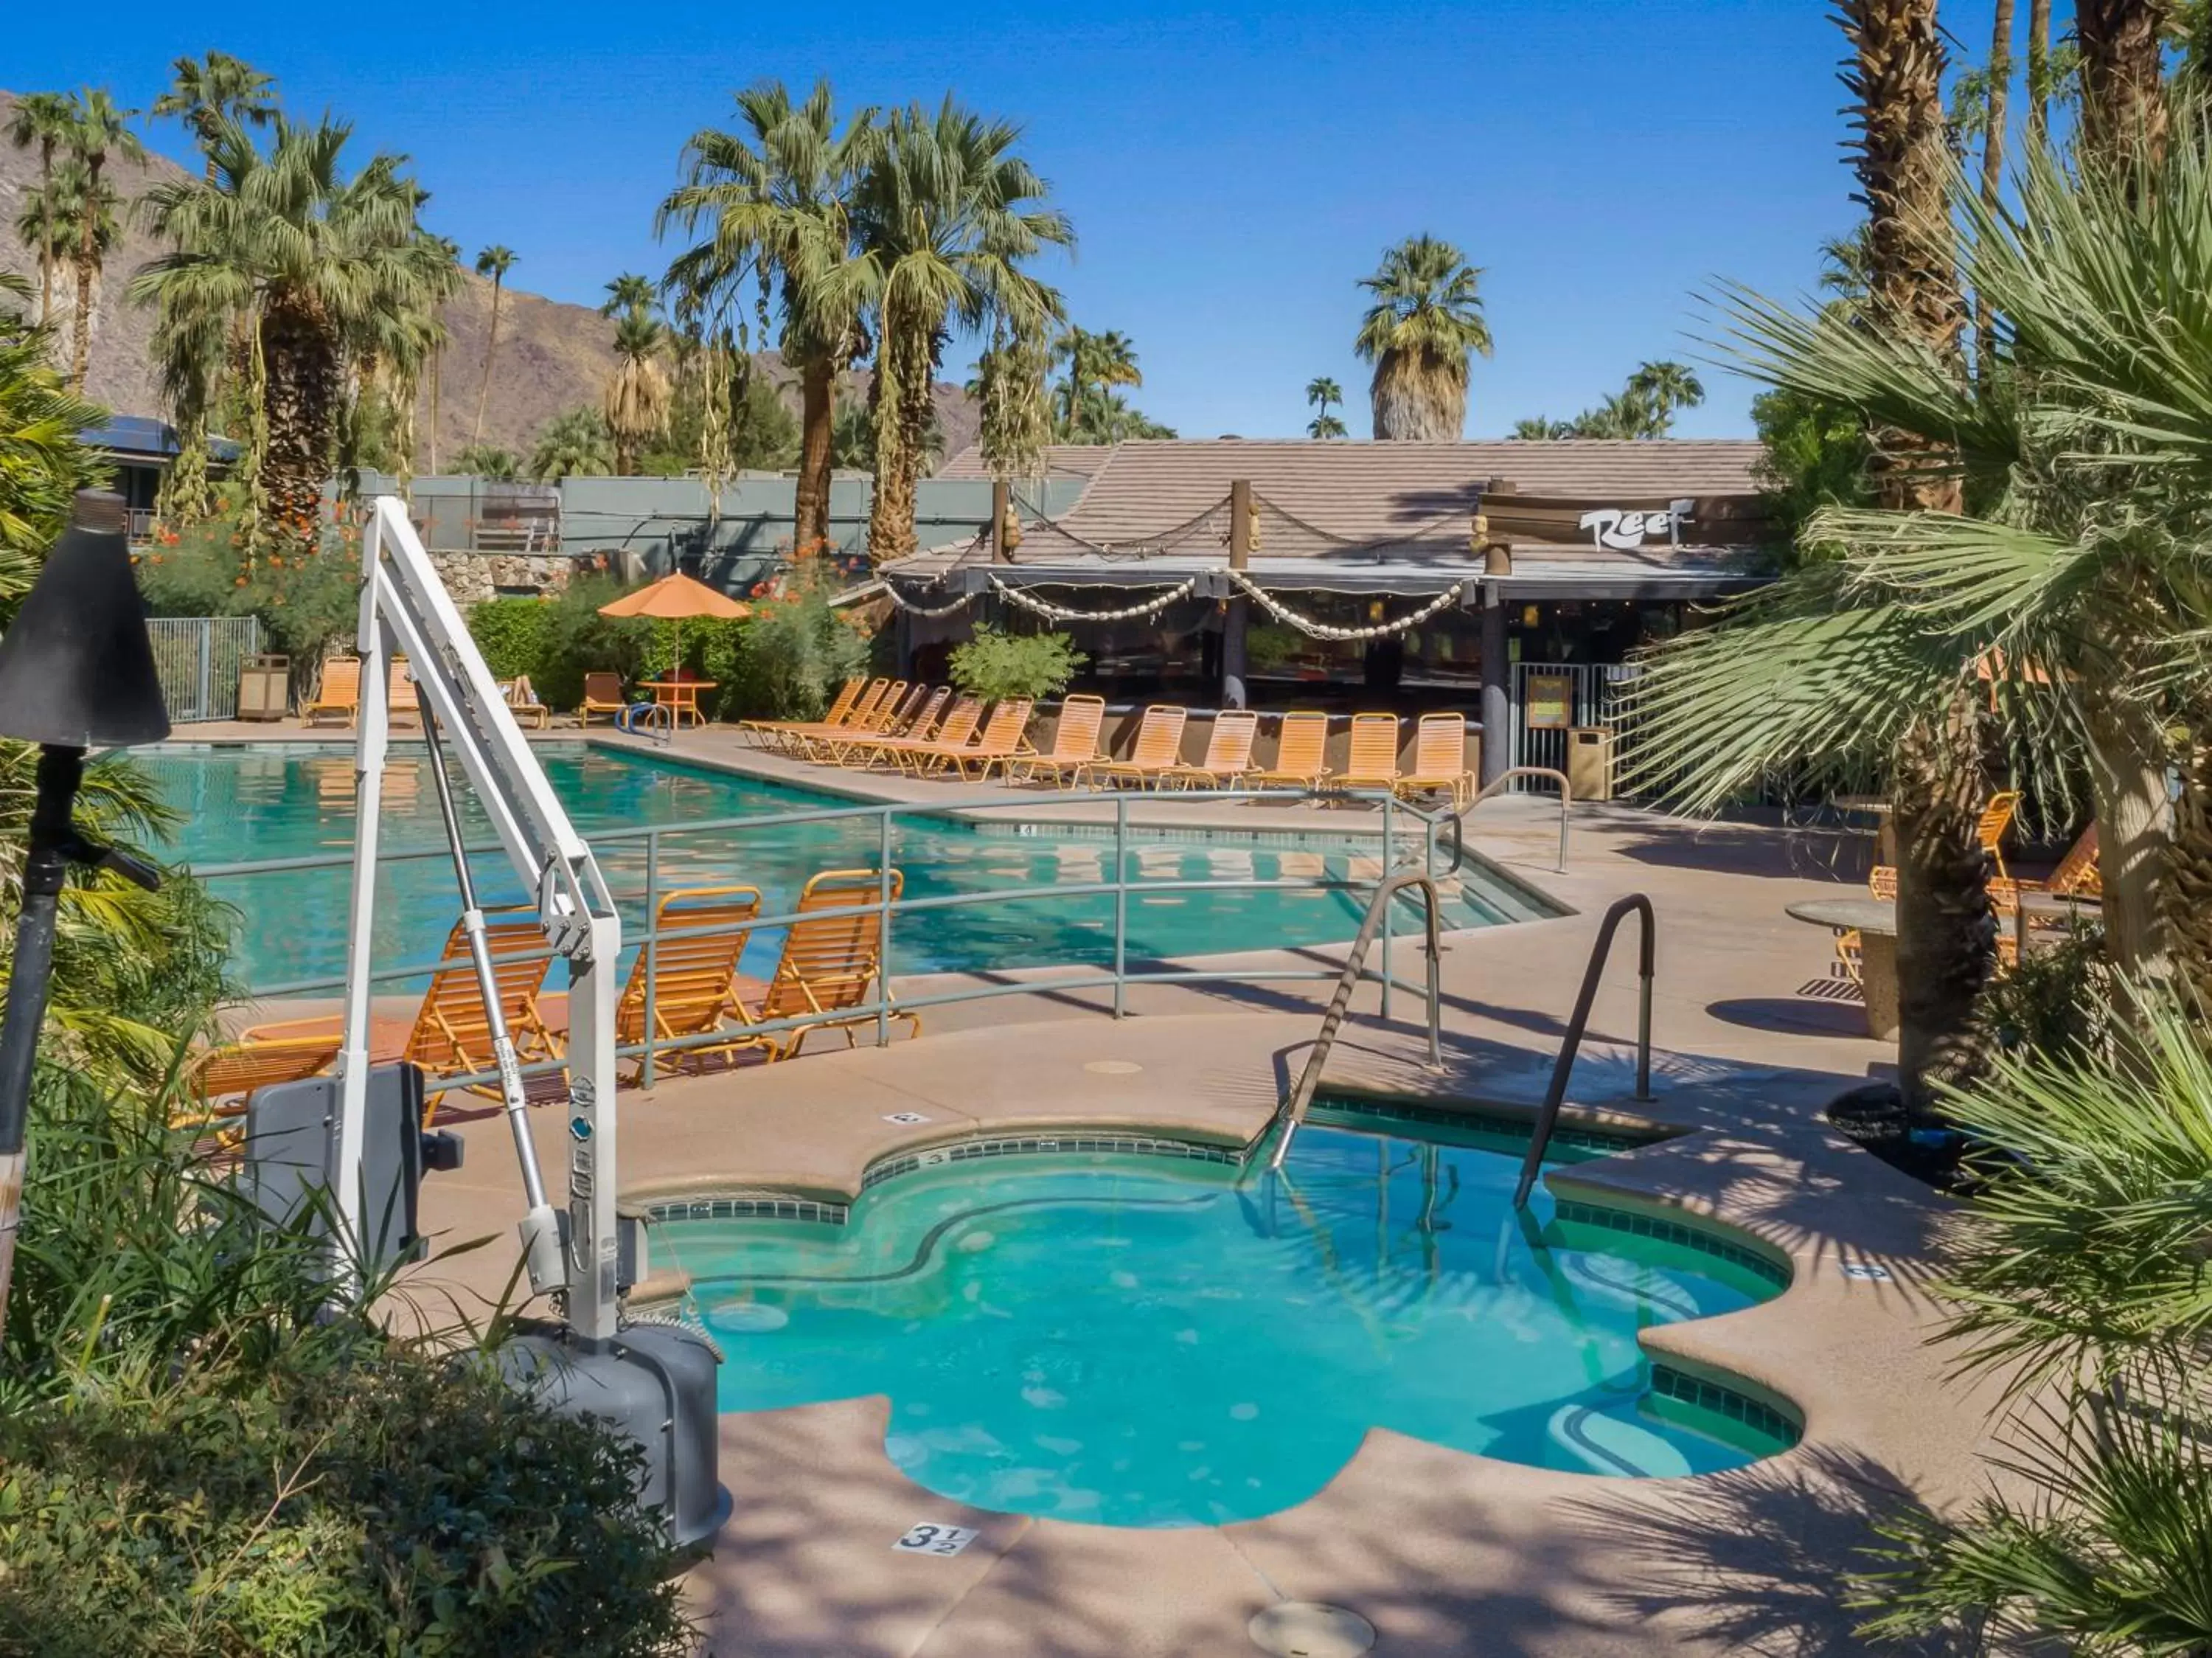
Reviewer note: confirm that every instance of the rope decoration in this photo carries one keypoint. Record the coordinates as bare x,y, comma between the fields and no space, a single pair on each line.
928,610
1314,629
1051,612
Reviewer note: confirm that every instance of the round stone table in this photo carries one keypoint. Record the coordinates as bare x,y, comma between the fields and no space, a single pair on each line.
1876,925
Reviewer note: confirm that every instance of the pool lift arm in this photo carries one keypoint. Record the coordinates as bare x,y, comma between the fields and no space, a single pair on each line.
651,1381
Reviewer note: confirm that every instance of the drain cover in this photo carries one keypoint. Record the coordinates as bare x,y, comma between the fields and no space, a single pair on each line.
1308,1628
1114,1067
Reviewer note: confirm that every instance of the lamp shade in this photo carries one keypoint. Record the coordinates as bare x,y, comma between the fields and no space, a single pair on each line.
77,669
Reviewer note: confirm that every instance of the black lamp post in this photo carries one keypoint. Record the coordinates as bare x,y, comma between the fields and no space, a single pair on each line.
76,672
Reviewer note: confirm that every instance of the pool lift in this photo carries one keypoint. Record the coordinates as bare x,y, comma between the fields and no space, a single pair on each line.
656,1381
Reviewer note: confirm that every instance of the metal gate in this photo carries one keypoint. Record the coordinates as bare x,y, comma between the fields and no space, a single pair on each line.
1561,696
197,658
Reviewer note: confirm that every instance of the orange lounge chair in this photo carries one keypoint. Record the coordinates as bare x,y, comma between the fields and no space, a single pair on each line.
340,695
399,700
792,737
602,696
955,732
1301,753
890,711
693,974
452,1035
831,956
1228,753
220,1081
999,745
917,723
768,734
1158,750
1997,818
522,702
1439,759
2076,876
1074,745
1374,760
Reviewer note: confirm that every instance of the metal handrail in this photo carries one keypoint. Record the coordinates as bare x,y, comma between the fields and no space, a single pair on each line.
1294,1109
1566,799
1547,1118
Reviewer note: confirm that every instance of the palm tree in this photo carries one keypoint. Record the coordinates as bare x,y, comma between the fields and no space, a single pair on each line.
1999,76
42,464
488,461
947,215
777,197
1425,322
325,276
2123,83
638,392
2038,69
447,253
209,91
494,262
1095,364
1321,392
46,119
572,445
99,132
73,211
629,292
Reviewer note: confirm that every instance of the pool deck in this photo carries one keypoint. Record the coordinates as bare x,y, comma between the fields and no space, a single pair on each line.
1445,1552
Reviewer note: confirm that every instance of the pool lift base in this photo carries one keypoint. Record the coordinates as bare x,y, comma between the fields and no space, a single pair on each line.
654,1383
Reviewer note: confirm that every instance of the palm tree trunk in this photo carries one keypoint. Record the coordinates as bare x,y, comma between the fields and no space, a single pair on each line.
491,344
2188,890
87,271
302,401
901,398
437,361
1945,937
1993,147
817,397
2128,755
2038,69
2123,91
46,261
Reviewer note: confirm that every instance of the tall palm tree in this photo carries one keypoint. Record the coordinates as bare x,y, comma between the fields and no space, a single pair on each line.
638,392
99,132
1999,76
2038,69
206,92
947,216
495,262
776,197
2123,81
46,119
1322,394
327,275
447,253
629,292
75,211
1095,364
1425,322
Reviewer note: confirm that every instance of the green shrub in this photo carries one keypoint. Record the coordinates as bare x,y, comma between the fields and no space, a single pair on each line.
788,659
993,665
511,633
304,604
576,640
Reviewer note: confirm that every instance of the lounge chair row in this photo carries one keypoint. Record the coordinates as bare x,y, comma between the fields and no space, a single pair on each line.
830,958
928,732
337,701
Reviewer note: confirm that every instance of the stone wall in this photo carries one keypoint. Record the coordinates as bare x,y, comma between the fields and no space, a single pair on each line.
473,577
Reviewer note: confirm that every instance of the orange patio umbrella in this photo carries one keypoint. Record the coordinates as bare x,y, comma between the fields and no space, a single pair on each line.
675,599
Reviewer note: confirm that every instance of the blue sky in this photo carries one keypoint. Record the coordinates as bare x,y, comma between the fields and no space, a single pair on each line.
1231,172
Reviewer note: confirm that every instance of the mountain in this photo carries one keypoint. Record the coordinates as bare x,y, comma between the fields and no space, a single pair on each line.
551,355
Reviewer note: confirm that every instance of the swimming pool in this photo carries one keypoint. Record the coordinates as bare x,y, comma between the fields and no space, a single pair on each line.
1137,1340
292,801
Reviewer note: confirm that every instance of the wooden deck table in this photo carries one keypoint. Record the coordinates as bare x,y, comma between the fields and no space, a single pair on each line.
680,697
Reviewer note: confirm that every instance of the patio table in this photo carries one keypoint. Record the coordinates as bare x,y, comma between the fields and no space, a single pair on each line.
680,697
1875,922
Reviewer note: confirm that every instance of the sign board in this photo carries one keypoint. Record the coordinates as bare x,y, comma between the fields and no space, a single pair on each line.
1625,530
1548,702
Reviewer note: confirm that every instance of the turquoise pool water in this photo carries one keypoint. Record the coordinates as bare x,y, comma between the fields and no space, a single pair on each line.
260,802
1132,1340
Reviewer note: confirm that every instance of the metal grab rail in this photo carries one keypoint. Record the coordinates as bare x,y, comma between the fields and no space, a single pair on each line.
1293,1111
1547,1118
1566,799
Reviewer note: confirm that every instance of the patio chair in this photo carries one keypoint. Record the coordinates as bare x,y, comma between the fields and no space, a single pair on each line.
998,746
791,736
340,695
1228,753
602,696
1439,759
220,1081
957,728
693,974
399,699
451,1033
2076,876
1301,751
926,711
1074,745
1158,749
522,702
830,956
767,733
1374,760
889,715
1997,818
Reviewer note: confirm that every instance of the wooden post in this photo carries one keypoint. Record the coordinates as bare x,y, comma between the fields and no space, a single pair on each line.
1496,674
1238,617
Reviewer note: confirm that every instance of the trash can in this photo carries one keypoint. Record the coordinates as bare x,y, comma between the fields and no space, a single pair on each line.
265,687
1589,761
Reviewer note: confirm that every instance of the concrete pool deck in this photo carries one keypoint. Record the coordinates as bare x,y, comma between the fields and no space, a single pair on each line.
1445,1552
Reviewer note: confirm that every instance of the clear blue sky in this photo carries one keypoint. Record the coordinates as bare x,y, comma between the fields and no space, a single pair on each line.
1230,172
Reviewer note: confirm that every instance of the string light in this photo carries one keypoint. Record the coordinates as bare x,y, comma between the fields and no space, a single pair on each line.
1314,629
1051,612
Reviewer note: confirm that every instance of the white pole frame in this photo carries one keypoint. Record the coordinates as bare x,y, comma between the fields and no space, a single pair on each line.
405,610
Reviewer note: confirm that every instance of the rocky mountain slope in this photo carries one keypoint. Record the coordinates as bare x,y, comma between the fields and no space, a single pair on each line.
551,355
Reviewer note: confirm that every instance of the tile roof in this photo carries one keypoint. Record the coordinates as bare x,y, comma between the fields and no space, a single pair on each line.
1060,461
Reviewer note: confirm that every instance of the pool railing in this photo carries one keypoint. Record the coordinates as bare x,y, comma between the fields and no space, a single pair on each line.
1402,819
